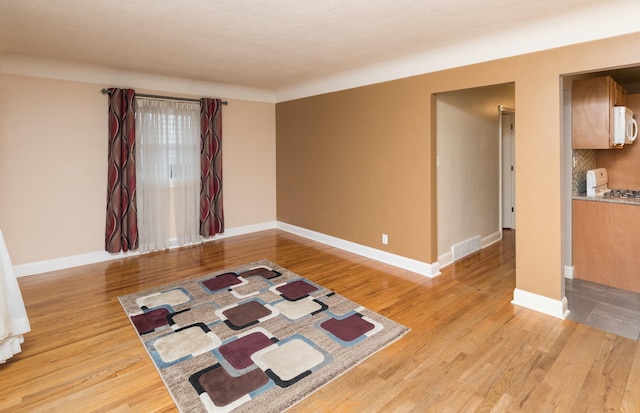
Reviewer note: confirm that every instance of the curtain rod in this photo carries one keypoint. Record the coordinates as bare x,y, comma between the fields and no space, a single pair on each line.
142,95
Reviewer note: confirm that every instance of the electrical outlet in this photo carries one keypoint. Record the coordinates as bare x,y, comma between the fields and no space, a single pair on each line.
385,239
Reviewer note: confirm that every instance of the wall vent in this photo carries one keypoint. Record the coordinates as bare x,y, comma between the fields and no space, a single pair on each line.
464,248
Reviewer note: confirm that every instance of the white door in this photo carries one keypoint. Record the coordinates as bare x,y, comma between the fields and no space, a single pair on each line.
508,170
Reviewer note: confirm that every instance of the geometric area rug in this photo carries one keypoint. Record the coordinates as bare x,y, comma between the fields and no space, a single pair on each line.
255,338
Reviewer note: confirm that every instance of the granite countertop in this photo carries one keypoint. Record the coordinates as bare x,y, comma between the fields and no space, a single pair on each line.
627,201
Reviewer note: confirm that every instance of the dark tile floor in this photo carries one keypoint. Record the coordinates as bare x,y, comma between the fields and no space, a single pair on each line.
605,308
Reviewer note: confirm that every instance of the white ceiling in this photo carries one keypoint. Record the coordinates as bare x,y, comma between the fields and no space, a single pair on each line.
286,46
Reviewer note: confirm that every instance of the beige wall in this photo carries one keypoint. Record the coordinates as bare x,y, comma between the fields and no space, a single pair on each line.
53,152
344,160
249,165
468,170
355,163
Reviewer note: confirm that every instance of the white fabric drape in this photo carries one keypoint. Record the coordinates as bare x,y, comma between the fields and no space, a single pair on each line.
13,316
167,172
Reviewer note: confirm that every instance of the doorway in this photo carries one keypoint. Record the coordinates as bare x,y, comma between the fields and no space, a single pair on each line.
508,185
468,162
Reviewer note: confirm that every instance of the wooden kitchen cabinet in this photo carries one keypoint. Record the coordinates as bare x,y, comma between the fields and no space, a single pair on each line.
606,243
592,103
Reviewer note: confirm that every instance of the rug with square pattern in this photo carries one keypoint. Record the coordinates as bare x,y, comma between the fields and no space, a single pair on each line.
255,338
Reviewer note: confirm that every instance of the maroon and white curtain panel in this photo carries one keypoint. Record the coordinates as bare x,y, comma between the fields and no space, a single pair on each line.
122,224
211,214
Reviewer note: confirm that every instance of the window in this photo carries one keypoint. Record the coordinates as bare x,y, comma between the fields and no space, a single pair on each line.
167,171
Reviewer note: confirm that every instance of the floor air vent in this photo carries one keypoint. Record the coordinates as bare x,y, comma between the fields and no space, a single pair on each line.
464,248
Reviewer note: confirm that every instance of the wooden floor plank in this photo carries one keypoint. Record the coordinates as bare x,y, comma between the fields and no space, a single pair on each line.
470,349
631,399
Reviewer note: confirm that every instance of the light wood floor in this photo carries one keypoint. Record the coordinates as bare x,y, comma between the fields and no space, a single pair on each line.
469,348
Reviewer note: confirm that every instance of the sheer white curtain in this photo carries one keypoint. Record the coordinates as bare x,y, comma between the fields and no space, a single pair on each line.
167,172
13,316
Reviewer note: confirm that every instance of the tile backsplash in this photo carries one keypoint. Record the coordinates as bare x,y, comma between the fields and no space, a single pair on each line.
584,159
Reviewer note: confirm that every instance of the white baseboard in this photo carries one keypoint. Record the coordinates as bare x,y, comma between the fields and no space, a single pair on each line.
429,270
419,267
542,304
246,229
491,239
55,264
101,256
445,259
568,272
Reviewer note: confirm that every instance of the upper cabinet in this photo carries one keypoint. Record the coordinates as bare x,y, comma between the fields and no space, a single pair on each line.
592,108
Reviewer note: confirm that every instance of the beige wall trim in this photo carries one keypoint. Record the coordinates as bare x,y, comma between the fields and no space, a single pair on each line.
542,304
55,264
419,267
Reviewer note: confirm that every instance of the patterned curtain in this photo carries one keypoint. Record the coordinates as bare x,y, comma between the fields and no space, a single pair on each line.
211,214
122,222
